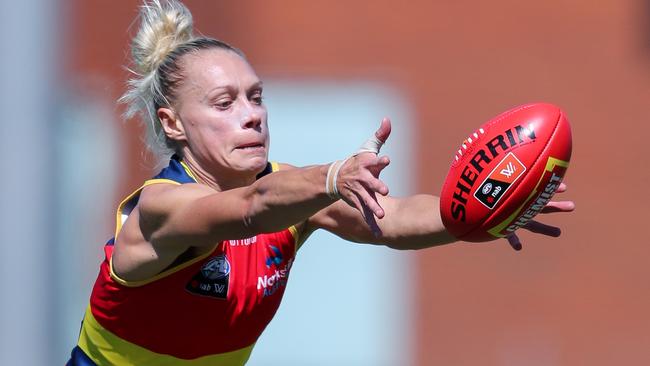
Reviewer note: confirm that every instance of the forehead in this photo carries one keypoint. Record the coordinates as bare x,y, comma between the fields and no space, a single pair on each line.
214,68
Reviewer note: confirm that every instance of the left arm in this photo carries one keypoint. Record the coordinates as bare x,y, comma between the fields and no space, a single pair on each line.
409,223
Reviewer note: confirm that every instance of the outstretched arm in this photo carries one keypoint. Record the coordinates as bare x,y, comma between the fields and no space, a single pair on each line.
192,213
411,223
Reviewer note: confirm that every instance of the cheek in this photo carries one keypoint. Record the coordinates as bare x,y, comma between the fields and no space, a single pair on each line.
208,135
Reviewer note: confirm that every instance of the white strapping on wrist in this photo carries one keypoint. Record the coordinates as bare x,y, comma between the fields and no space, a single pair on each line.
332,177
328,181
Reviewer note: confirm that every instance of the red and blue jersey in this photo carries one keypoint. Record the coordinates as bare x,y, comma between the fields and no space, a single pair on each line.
209,310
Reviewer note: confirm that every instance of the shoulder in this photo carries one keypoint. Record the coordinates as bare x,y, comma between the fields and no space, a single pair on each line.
159,199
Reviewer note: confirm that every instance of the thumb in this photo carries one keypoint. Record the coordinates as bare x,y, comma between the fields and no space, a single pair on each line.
384,130
374,144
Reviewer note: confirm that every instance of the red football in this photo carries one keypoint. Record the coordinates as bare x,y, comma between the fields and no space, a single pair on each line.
506,172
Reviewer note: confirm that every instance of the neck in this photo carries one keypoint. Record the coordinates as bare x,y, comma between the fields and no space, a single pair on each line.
216,179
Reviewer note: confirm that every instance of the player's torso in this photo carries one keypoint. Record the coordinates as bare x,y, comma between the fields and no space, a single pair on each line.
206,310
217,303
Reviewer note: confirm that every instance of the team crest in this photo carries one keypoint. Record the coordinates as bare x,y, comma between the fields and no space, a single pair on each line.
213,278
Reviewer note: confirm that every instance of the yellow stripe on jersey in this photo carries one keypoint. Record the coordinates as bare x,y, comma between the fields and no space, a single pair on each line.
105,348
120,208
188,170
293,229
120,222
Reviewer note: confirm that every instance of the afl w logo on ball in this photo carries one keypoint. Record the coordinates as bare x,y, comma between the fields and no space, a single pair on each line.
500,179
213,278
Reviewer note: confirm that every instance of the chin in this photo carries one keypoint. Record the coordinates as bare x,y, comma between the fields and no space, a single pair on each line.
255,165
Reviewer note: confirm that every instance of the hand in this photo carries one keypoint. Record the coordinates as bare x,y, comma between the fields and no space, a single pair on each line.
358,181
540,228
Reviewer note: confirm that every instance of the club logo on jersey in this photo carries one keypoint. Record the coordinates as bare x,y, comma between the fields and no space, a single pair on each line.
274,259
269,284
213,278
500,180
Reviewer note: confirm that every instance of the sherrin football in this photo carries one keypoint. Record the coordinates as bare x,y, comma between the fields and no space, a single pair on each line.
505,172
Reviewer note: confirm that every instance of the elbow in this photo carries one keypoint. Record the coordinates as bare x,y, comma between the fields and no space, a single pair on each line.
255,214
251,218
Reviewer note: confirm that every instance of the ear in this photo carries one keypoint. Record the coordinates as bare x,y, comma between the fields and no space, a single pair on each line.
171,124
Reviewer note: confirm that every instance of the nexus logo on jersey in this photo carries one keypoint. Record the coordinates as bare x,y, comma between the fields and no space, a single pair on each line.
275,258
269,284
499,181
213,278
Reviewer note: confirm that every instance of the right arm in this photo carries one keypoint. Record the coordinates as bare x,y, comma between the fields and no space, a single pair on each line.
171,220
192,213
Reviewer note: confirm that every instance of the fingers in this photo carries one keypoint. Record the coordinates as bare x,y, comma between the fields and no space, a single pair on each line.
514,242
376,186
384,130
535,227
539,228
371,222
359,181
381,163
369,200
559,206
359,184
366,203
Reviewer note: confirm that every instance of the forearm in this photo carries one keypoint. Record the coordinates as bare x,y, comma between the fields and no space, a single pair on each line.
410,223
284,198
414,223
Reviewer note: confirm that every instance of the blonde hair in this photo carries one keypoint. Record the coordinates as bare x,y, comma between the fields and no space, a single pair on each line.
164,36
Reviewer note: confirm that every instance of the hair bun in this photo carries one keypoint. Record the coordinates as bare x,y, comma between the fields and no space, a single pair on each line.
165,24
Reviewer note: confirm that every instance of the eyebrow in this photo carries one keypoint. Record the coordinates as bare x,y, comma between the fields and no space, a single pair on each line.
256,85
212,91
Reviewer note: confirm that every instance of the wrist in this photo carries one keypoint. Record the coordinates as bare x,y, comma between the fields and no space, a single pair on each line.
331,180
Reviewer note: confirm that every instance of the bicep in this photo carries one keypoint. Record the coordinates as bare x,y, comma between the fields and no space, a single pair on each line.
190,214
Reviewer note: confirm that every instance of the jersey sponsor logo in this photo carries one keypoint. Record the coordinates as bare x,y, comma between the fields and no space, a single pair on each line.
502,177
213,278
270,283
243,242
275,259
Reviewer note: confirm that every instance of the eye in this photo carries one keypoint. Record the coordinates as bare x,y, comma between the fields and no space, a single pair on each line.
223,103
258,100
256,97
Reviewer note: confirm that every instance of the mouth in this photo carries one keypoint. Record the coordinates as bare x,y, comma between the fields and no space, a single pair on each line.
252,146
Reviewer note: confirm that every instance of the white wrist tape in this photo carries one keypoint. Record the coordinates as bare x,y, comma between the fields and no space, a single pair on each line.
373,145
332,177
328,182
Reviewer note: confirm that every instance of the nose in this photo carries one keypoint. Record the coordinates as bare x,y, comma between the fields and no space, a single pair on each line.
252,117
